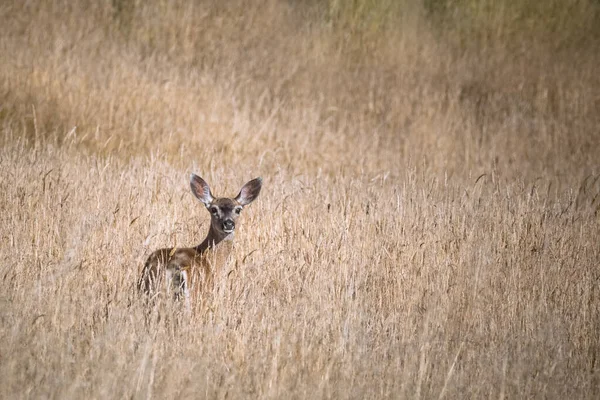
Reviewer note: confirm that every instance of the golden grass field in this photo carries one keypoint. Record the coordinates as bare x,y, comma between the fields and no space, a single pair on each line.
429,224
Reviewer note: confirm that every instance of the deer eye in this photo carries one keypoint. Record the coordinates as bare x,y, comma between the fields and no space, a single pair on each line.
238,210
214,211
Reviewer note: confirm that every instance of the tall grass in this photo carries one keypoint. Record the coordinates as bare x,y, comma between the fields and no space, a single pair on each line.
428,226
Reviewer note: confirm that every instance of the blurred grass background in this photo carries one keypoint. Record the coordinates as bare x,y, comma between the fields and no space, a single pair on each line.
458,85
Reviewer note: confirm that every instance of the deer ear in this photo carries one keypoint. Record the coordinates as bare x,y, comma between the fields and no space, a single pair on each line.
249,192
201,190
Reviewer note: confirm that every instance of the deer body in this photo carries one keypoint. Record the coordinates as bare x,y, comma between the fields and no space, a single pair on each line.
188,272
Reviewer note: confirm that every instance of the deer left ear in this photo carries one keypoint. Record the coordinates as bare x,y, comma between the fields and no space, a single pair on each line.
201,190
249,192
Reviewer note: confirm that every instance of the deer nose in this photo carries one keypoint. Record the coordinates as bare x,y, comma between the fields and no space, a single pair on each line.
228,225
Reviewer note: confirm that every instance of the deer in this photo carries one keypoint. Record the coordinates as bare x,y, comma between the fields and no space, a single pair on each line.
188,272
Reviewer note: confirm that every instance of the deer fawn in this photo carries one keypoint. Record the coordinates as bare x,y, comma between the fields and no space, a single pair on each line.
189,271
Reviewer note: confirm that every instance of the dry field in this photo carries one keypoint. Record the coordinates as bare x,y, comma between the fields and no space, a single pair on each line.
429,225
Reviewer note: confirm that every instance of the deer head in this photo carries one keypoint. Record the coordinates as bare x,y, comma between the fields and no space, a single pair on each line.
224,211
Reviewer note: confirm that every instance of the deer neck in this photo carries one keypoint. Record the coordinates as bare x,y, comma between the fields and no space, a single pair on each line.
215,250
214,240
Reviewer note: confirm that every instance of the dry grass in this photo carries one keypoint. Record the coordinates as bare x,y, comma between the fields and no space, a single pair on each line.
429,224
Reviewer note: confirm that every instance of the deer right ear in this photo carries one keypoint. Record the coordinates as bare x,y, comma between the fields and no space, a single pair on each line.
201,190
249,192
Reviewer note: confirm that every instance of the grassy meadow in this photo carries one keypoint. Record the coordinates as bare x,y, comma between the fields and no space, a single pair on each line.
428,228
